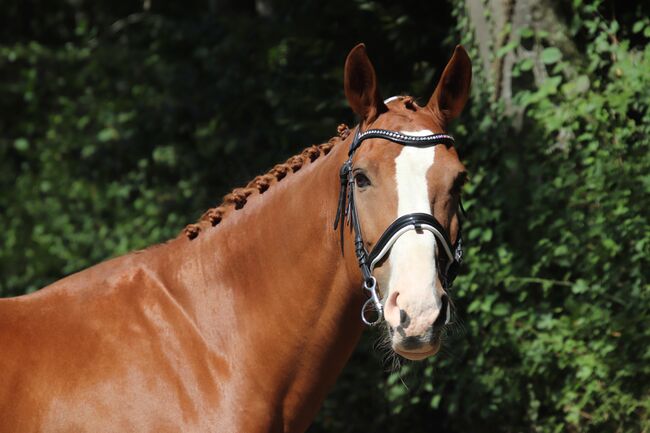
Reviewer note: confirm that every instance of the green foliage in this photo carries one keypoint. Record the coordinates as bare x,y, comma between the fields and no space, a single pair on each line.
119,126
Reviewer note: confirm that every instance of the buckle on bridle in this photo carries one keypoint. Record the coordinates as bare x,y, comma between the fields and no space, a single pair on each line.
373,301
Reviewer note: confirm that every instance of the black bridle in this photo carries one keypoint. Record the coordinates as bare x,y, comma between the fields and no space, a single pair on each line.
413,221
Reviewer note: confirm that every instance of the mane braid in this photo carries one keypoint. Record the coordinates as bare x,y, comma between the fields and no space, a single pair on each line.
237,199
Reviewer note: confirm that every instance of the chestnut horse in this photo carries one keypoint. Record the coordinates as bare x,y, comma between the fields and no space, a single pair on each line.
243,322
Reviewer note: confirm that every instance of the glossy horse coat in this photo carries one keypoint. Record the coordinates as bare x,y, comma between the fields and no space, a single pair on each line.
244,321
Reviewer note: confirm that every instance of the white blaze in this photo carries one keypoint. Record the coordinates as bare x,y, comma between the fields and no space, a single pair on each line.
412,258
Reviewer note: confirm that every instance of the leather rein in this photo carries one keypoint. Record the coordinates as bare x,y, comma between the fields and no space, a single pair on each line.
419,222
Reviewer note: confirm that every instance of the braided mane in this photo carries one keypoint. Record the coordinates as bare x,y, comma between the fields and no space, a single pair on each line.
239,196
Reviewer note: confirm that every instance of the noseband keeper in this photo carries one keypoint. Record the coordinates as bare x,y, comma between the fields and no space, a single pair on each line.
415,221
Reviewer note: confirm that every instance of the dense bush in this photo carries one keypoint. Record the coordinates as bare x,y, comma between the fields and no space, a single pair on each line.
119,126
554,299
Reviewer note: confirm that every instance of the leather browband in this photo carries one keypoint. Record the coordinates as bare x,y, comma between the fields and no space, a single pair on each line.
403,139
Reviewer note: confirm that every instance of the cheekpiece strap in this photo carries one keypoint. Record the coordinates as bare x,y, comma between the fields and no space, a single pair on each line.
344,174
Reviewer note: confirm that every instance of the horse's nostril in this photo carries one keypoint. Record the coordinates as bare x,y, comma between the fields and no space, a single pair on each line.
392,312
392,299
404,319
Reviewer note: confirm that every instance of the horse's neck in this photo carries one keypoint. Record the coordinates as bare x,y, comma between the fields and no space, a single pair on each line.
270,288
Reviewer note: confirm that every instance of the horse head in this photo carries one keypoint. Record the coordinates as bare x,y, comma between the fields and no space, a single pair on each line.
404,195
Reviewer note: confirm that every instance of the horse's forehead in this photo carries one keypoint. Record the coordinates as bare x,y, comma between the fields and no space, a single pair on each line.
437,166
405,120
433,164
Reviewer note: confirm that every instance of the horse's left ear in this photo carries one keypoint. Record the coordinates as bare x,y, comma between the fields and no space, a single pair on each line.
452,91
360,83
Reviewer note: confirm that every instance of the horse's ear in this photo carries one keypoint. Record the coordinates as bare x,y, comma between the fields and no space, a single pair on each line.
452,91
360,83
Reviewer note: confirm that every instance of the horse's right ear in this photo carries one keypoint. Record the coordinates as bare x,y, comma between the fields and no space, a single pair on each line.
452,91
360,83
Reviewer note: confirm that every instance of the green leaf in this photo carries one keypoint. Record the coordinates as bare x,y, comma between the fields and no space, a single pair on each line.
500,309
21,144
107,134
507,48
527,64
580,286
550,55
582,84
526,32
486,235
165,155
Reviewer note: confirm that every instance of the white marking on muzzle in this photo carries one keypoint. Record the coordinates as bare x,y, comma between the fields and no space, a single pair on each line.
412,258
392,98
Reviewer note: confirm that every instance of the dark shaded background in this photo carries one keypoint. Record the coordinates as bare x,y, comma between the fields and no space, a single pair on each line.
122,121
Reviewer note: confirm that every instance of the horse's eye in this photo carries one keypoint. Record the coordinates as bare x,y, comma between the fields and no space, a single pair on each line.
361,180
